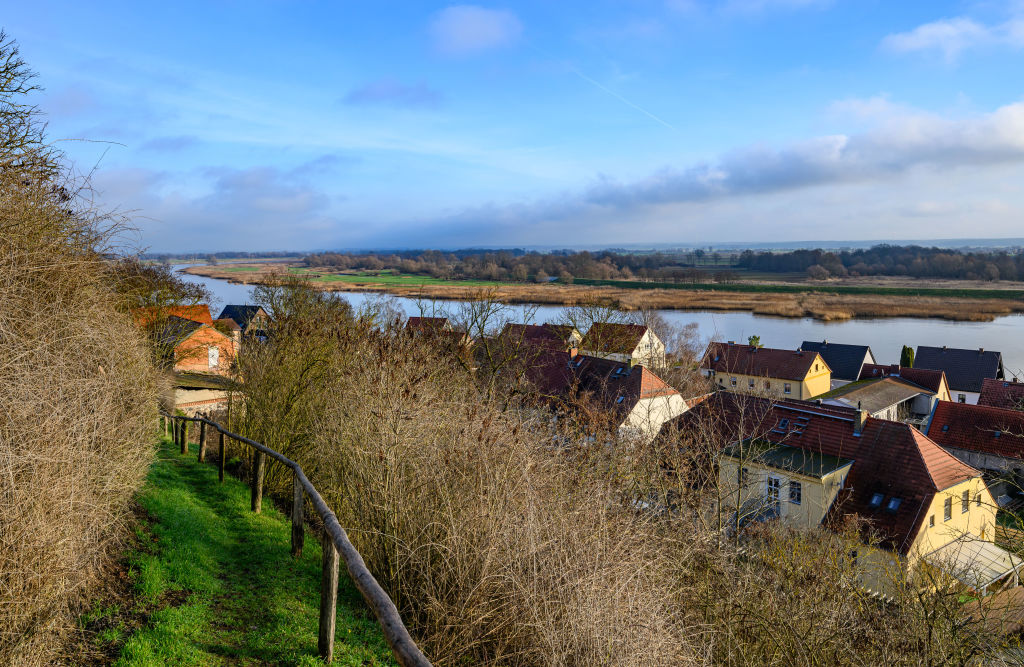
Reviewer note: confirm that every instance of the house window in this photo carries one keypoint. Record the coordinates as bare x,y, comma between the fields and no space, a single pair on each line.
787,388
774,486
977,500
931,521
945,428
744,477
876,500
783,424
965,501
213,356
961,398
619,399
815,367
795,492
751,383
767,384
732,381
893,504
947,510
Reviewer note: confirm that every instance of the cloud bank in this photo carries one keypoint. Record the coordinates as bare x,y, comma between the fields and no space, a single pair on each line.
953,36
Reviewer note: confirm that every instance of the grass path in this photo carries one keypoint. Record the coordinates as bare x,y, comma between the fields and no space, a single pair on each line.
219,585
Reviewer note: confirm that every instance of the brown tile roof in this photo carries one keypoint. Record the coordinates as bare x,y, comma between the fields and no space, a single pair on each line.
610,338
593,380
924,377
889,458
978,428
1002,394
428,324
762,362
553,336
150,314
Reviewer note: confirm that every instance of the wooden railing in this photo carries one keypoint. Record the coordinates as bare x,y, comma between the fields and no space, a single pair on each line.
335,542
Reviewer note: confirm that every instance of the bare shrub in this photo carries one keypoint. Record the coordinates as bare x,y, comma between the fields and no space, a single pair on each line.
78,403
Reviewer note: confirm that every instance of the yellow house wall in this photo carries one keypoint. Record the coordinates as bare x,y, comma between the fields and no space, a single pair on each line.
816,382
978,520
817,495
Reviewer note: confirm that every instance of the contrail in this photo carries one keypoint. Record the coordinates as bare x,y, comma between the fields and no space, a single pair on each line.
611,92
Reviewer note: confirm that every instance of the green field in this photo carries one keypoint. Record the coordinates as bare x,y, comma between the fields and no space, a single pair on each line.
216,584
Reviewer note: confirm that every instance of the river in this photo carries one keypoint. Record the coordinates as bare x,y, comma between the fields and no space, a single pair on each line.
886,336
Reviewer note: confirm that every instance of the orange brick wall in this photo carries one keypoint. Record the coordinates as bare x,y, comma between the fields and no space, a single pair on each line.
191,354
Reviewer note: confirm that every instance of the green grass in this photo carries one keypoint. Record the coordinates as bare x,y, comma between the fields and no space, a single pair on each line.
219,583
1015,295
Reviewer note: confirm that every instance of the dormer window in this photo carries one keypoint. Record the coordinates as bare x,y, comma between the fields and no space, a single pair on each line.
876,500
783,423
893,504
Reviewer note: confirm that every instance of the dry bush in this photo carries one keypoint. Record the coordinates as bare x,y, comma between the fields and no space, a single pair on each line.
497,549
78,401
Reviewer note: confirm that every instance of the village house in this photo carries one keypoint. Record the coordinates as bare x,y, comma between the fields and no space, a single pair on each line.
933,381
633,344
982,436
596,391
965,369
252,321
845,361
766,371
197,347
1002,394
891,397
809,465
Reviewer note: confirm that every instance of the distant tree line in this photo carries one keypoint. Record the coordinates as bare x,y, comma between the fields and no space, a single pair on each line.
891,260
517,265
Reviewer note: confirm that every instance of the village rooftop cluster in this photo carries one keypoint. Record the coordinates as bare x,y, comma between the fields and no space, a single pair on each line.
928,456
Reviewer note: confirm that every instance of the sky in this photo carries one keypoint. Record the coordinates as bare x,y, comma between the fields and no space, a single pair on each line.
301,125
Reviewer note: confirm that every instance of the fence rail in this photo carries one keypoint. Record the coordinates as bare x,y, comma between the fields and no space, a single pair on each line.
335,542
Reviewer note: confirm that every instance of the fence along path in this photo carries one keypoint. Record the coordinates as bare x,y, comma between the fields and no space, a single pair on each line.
335,543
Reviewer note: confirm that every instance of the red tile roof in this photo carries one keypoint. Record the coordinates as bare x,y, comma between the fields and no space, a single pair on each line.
762,362
1002,394
889,458
975,428
607,337
150,314
923,377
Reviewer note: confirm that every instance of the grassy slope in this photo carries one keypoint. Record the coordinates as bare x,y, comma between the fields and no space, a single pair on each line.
222,584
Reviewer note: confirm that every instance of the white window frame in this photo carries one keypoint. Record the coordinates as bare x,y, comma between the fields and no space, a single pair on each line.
213,356
787,388
795,485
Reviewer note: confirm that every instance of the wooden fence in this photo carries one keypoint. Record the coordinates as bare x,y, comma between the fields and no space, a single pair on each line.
335,542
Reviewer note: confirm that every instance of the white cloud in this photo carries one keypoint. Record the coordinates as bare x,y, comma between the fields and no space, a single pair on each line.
953,36
464,29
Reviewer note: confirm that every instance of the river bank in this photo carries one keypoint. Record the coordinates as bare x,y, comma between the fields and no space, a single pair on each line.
813,303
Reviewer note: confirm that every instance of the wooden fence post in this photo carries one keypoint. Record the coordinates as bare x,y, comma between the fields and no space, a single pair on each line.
220,459
202,442
184,436
166,421
258,468
176,431
298,532
328,599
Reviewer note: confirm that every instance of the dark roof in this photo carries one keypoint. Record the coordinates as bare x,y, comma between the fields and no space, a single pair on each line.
844,360
241,314
1002,394
792,459
607,337
923,377
889,458
877,395
176,329
965,369
978,428
763,362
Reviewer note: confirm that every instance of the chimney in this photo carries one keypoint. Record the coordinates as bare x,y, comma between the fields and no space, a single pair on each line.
860,420
943,348
981,350
732,342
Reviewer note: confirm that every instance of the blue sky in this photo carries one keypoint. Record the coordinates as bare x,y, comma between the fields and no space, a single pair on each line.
301,125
